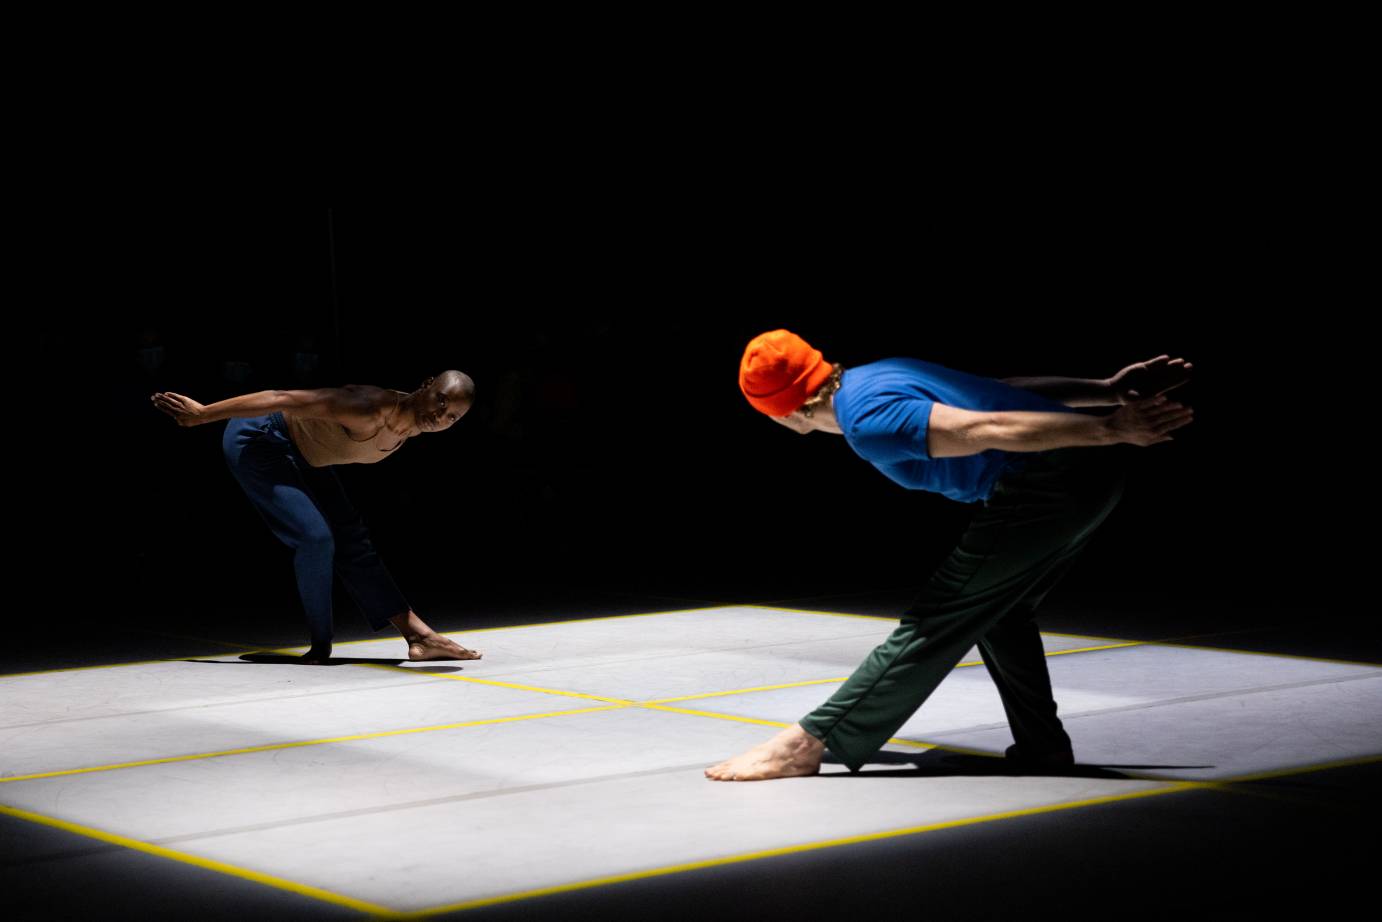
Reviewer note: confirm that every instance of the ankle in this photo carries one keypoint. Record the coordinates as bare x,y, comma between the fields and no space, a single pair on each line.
410,625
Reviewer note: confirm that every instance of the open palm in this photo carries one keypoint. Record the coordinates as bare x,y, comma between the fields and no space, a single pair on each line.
1150,378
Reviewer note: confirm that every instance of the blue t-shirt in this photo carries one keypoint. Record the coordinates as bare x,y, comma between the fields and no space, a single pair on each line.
884,409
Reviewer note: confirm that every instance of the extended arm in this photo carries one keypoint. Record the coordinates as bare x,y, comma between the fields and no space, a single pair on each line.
953,432
1137,381
337,403
1073,392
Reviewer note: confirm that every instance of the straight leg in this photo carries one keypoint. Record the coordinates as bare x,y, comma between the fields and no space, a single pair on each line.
1013,653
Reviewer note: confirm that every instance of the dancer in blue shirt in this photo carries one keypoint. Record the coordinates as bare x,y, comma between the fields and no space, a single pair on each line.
1025,451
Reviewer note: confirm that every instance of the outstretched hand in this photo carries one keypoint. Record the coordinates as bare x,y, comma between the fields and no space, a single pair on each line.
185,410
1151,378
1147,422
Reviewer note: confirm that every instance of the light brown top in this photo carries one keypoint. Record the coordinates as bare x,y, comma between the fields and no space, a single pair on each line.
323,442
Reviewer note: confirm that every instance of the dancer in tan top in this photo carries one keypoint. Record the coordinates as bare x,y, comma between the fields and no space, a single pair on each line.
281,446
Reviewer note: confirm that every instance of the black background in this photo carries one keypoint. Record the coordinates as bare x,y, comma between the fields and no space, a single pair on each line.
611,465
609,447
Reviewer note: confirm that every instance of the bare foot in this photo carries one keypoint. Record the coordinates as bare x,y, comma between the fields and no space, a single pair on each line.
436,646
792,752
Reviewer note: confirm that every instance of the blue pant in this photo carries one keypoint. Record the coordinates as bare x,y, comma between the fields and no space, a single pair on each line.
307,509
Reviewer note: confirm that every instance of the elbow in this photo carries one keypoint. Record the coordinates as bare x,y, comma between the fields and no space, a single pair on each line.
999,430
279,400
955,433
969,438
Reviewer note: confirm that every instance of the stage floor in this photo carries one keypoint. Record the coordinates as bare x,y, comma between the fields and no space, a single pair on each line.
571,756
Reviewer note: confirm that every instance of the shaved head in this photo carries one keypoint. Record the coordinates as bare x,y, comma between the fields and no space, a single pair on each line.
457,383
441,400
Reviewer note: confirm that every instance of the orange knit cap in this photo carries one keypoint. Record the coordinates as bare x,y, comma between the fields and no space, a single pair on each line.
779,371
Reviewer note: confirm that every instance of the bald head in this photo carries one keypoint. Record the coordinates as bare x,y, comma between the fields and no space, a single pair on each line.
442,400
457,383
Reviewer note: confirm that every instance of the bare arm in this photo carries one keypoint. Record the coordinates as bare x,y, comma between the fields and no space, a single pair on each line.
344,405
953,432
1073,392
1136,381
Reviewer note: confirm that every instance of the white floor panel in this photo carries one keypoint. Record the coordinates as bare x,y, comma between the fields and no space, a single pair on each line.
418,702
448,816
444,817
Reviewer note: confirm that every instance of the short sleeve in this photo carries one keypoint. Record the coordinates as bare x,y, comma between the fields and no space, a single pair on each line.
894,430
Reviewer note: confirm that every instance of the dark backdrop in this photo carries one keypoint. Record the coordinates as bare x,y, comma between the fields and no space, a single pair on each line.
609,446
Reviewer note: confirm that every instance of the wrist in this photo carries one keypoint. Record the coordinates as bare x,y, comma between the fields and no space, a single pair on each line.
1109,391
1107,432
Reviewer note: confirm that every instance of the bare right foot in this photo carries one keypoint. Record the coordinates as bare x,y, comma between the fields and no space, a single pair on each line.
425,643
791,753
423,647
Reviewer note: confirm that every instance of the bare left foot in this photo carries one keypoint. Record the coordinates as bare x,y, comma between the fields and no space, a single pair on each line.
436,646
791,753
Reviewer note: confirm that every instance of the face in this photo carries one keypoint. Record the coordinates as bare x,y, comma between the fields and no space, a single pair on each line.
438,406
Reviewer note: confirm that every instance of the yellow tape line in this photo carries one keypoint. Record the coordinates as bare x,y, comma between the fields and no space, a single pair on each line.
207,863
268,747
775,852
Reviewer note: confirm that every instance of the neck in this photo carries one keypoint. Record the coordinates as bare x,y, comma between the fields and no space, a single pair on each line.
823,417
402,420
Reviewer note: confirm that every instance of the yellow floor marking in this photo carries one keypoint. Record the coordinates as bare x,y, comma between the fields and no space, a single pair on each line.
1114,642
812,611
519,627
269,880
1309,659
1168,787
775,852
289,650
495,682
809,682
269,747
743,691
1284,772
718,716
653,706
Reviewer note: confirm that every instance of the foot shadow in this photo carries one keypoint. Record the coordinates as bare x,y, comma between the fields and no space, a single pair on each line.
288,659
283,659
938,763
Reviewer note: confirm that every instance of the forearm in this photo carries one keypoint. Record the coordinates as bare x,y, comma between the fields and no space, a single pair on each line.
1073,392
1015,430
259,403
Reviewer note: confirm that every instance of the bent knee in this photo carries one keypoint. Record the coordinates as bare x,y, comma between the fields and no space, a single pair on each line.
317,541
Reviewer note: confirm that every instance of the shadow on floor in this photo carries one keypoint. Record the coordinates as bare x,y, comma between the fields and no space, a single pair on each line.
288,659
938,763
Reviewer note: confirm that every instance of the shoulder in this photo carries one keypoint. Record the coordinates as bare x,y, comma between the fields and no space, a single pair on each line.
366,398
358,407
884,380
892,369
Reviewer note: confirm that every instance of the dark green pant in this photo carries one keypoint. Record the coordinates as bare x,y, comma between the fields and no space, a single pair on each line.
1016,548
